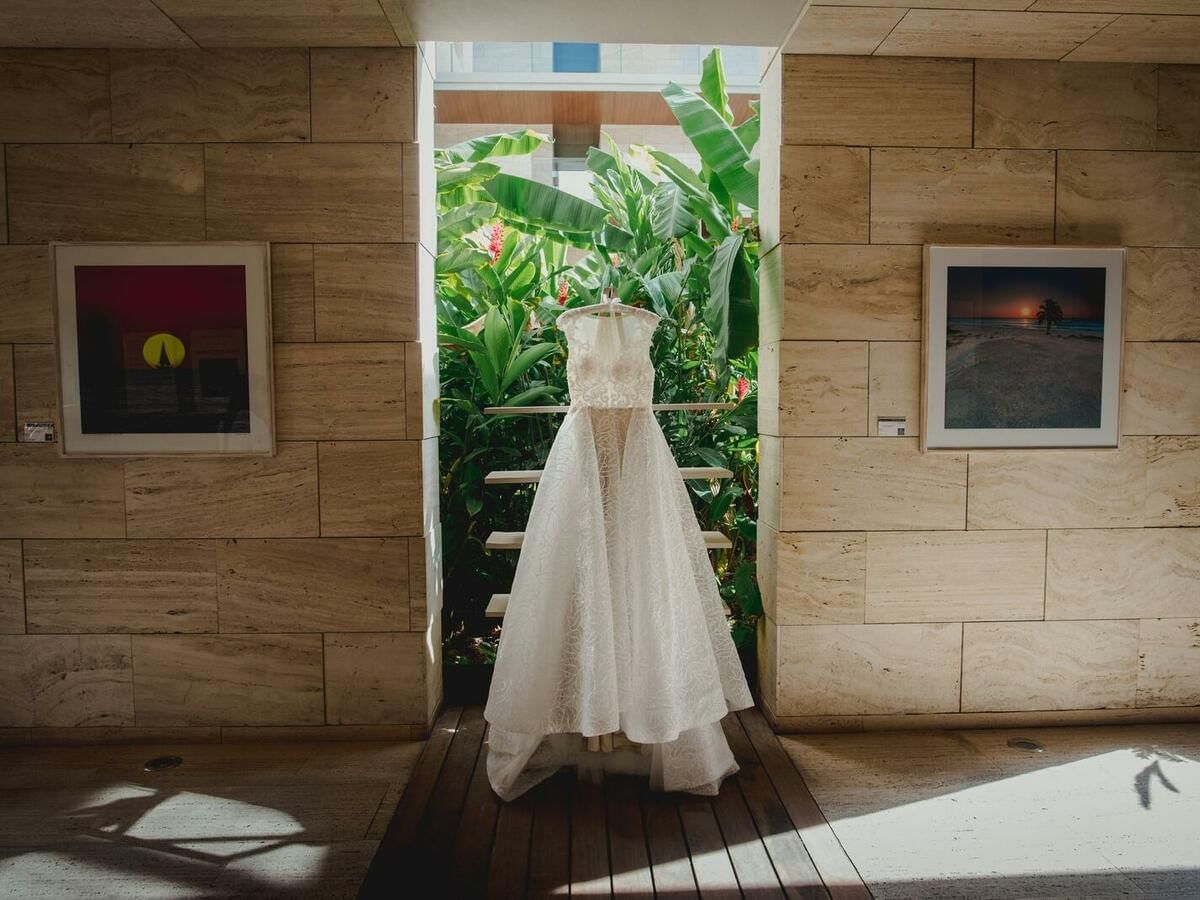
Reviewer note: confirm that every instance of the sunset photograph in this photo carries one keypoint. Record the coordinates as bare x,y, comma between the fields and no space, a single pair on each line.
1024,346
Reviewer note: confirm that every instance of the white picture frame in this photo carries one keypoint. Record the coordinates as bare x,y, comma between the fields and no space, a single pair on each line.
251,432
963,403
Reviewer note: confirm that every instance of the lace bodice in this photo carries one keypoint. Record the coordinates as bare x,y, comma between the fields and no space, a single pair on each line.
608,365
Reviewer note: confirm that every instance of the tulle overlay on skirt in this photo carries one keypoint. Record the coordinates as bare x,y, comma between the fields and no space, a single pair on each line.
614,622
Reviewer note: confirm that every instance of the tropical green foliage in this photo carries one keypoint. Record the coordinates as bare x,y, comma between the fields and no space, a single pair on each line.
514,253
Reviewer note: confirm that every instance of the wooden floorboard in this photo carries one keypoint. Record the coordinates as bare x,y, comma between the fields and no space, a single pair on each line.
550,847
837,872
792,863
761,837
670,865
590,872
751,863
627,849
706,846
471,857
508,871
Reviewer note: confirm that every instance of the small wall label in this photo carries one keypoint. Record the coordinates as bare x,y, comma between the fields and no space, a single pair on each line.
38,432
893,426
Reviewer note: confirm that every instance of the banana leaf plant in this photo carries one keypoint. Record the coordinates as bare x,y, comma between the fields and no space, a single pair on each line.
514,253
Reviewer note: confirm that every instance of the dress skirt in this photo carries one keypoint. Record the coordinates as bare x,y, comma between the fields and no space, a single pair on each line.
614,622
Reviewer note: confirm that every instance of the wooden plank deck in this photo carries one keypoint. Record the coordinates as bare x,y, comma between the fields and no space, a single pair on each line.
762,837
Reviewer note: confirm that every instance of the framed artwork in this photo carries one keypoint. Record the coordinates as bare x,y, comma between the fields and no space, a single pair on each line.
163,349
1022,346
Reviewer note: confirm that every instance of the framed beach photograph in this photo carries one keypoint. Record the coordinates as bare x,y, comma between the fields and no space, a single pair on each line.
1022,346
163,349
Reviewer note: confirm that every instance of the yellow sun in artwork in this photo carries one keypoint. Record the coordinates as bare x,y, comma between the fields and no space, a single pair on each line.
163,351
1025,311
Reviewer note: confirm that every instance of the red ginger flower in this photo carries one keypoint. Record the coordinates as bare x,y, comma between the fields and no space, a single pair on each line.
496,242
743,388
562,292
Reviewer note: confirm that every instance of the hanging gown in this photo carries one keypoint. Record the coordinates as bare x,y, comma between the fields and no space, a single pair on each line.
614,622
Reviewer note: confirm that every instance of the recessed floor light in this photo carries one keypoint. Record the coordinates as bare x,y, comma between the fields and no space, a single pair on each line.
1025,744
160,763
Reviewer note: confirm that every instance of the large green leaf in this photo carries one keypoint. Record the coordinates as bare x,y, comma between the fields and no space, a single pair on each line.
533,393
460,257
712,84
715,141
464,220
525,359
455,177
541,204
512,143
669,213
730,311
487,374
600,162
701,201
497,340
749,130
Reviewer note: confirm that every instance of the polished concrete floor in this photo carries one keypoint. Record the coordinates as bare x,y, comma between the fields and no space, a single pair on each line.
1099,812
234,820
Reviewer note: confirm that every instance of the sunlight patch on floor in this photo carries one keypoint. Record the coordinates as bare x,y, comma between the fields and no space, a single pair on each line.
964,823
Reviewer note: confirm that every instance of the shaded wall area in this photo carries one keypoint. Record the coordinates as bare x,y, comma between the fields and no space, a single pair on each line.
949,588
225,598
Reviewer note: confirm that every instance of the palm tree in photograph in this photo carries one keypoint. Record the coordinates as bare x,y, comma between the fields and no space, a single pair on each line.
1050,313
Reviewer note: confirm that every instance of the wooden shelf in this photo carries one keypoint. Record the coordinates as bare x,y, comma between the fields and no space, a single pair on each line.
657,407
512,540
498,606
532,476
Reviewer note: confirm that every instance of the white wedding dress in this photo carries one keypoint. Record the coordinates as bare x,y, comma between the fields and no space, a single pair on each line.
614,621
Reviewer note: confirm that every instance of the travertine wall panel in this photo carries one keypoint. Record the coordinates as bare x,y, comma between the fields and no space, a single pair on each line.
59,96
25,316
304,192
1179,107
327,585
962,196
237,497
956,576
105,192
1058,488
143,594
1169,662
820,578
1042,104
823,195
1123,573
229,679
822,388
1173,481
865,669
895,385
864,102
332,391
120,586
1048,665
1059,582
855,484
216,95
363,94
1162,294
1162,389
1135,199
12,588
365,292
840,292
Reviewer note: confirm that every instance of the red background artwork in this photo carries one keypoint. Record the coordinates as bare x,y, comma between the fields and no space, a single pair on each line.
118,307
